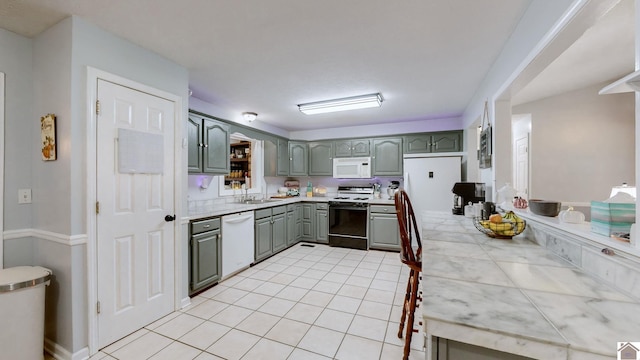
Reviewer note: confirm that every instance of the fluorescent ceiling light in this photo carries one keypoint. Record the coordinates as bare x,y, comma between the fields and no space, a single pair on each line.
350,103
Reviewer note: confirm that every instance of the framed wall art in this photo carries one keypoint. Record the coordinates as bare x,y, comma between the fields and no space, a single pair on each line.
48,137
484,152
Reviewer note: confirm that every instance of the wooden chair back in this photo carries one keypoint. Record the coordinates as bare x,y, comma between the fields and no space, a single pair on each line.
409,232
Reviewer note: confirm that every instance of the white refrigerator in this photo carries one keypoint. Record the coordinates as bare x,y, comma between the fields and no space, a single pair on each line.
429,180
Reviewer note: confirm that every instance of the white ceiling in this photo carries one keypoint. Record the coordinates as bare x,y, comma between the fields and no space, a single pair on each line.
426,58
605,52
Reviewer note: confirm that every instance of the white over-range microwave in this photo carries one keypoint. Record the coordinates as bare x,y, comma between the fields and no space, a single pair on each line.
352,168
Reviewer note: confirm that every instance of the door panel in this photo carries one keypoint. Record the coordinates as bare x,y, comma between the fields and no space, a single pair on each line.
522,166
135,261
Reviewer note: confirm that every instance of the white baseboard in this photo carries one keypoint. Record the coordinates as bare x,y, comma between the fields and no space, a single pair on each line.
63,239
60,353
185,302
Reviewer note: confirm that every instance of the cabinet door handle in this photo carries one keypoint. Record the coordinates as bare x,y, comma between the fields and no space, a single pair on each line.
169,218
206,145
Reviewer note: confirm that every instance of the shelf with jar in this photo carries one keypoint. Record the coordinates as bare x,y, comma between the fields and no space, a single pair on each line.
240,158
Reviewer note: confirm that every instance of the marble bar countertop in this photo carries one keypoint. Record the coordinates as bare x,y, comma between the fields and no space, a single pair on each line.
220,208
517,297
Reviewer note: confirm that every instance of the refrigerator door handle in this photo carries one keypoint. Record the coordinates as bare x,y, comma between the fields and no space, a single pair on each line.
407,186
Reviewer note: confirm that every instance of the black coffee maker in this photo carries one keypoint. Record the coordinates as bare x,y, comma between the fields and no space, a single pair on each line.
465,192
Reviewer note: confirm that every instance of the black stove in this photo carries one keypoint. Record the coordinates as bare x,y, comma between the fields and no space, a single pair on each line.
348,217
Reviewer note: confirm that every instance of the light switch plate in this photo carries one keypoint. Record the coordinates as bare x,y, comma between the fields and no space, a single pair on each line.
24,196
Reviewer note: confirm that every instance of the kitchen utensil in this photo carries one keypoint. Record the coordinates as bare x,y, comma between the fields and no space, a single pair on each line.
488,208
545,207
391,192
468,210
376,191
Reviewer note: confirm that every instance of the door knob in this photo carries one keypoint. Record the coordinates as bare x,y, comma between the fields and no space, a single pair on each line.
169,218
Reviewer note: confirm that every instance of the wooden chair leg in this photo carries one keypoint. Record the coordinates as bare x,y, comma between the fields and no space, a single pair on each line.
407,297
414,280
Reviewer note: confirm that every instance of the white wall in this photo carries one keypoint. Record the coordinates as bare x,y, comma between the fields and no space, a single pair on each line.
582,144
522,46
20,122
394,128
48,75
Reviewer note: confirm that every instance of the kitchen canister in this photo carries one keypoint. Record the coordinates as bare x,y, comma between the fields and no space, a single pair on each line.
477,209
469,210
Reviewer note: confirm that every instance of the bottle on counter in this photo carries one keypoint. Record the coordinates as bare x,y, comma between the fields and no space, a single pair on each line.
309,189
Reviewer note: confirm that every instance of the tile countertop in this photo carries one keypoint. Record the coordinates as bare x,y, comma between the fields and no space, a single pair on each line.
515,296
219,209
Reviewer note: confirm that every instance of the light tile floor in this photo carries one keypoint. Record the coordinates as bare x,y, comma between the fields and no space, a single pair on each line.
304,303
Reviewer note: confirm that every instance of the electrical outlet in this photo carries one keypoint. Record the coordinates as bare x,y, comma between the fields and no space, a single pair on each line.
24,196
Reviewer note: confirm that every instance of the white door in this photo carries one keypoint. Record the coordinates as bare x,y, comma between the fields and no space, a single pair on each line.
522,166
135,257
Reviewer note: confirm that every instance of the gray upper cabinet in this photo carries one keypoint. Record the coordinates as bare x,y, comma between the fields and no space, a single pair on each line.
208,146
352,148
194,141
387,157
283,157
446,141
321,158
298,161
270,158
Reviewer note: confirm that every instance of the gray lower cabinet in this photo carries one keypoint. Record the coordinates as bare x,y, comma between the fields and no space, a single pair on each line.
293,224
298,222
387,157
270,231
204,254
321,158
263,238
308,221
322,223
279,229
383,228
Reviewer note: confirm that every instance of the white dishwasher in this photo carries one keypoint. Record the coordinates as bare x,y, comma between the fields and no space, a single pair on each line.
237,242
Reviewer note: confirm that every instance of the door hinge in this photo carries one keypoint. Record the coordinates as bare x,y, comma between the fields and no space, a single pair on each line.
98,307
97,107
97,207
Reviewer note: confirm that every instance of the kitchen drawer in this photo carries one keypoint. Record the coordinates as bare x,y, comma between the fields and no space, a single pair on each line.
263,213
384,209
322,206
291,207
201,226
278,210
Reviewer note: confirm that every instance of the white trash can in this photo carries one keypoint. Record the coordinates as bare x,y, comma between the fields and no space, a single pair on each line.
22,291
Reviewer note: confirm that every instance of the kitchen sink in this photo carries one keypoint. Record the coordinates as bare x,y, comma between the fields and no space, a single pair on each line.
260,201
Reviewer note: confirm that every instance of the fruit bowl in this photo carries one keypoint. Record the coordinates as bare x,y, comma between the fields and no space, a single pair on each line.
510,226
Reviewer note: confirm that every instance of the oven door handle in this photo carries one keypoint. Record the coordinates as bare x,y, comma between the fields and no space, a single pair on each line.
356,208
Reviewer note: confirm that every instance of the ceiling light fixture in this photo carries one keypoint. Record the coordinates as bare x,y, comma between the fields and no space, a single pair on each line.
350,103
249,116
